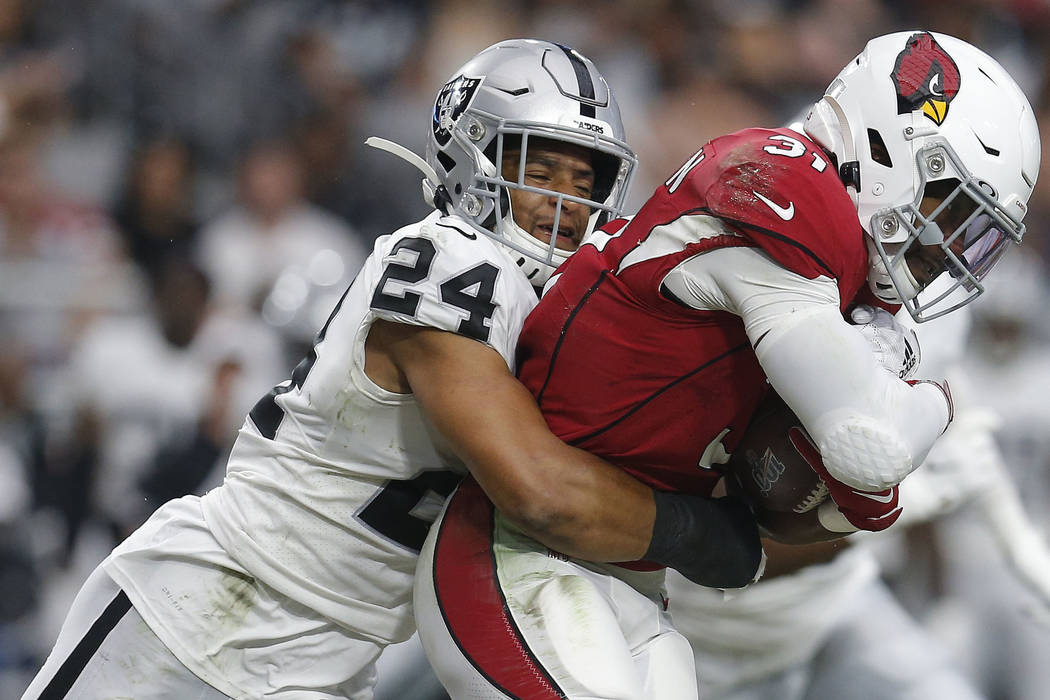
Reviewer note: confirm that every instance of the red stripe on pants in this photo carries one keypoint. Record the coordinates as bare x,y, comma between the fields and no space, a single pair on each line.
472,604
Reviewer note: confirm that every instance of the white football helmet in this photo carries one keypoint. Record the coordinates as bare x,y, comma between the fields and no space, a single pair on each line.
509,93
918,113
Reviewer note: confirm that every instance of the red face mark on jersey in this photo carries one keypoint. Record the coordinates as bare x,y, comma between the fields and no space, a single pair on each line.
925,77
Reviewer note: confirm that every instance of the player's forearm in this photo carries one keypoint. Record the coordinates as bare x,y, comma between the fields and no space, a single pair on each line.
581,506
599,513
784,559
872,428
565,498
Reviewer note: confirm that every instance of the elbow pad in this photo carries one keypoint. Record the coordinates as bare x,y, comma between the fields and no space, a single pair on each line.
865,454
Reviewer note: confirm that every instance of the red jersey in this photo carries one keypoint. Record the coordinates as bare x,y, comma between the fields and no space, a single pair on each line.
622,369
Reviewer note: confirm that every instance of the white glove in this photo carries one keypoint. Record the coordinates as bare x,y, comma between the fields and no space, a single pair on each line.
895,346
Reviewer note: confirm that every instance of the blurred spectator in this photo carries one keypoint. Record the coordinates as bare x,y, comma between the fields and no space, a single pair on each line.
19,572
1039,236
1010,368
951,574
156,211
211,69
36,223
245,249
61,261
160,395
356,64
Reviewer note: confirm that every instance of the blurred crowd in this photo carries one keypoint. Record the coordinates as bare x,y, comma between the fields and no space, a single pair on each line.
185,191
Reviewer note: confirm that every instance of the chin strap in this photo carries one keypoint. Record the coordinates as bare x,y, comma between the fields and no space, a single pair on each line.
434,193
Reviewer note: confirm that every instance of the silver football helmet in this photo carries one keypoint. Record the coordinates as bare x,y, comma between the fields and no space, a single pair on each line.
510,93
921,114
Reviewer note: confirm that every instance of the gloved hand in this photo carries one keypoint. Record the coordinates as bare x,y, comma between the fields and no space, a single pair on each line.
894,346
864,510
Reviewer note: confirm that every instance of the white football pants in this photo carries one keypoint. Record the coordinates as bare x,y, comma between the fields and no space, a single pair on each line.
501,616
106,650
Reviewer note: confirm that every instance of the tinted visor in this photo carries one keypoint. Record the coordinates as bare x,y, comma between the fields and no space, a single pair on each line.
983,243
975,232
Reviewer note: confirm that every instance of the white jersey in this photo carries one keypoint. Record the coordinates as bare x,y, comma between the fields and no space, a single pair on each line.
770,626
333,481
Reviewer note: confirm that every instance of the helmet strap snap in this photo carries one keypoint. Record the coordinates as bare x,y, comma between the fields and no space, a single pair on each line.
849,173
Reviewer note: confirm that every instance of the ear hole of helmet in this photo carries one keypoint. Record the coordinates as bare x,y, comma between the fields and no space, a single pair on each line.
447,161
849,173
877,147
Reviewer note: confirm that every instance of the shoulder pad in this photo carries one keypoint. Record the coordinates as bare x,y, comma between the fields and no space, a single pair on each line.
781,190
444,275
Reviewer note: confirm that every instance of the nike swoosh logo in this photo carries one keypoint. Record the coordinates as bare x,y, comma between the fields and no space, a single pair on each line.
466,234
888,498
785,213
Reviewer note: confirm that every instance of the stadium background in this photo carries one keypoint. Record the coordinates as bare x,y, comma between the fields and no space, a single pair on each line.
182,160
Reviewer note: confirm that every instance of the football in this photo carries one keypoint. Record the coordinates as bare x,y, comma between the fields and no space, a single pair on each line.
770,469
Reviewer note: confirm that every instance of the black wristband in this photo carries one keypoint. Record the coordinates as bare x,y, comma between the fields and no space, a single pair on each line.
710,541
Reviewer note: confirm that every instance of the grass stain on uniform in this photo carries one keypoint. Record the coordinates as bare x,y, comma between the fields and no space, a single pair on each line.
232,600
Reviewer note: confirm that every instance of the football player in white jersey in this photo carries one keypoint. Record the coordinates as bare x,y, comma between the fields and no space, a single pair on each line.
289,579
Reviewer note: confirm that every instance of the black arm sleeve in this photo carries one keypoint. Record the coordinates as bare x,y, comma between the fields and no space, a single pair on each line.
711,541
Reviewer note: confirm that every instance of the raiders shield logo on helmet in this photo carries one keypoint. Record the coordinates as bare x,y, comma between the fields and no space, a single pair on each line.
451,102
926,78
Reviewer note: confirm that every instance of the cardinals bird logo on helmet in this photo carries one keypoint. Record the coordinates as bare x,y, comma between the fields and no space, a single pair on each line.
926,78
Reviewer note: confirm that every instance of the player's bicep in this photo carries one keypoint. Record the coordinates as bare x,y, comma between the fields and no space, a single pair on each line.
747,282
566,498
488,418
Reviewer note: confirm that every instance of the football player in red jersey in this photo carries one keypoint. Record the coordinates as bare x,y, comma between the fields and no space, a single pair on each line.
653,345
